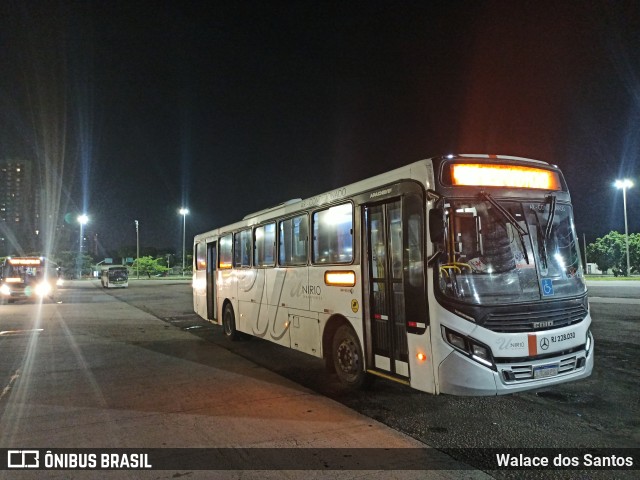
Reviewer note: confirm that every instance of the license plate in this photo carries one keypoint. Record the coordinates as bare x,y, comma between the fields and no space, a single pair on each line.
545,371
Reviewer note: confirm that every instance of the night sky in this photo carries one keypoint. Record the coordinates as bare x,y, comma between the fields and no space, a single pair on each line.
133,109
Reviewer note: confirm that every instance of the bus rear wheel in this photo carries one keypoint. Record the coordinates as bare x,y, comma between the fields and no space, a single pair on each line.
229,324
348,359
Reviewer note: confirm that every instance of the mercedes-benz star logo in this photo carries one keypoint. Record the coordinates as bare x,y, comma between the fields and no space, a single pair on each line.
544,343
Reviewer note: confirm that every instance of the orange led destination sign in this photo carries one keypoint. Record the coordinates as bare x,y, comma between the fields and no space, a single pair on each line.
491,175
25,261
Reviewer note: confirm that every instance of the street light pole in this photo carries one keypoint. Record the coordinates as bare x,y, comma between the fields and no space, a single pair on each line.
82,220
183,211
137,252
624,184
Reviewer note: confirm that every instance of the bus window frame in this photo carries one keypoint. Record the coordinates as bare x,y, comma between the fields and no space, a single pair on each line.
279,223
198,258
275,245
312,252
238,256
227,265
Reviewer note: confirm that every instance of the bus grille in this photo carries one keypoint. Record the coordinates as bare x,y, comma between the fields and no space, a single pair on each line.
536,320
519,373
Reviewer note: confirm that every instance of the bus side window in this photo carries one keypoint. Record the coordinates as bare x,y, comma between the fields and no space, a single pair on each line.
414,251
333,234
201,255
293,241
226,252
264,250
242,249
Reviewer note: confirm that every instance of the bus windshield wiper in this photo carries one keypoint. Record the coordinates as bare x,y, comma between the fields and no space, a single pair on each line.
542,241
552,214
511,219
543,235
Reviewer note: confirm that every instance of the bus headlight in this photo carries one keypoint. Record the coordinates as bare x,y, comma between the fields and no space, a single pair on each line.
43,289
5,290
481,354
470,347
455,340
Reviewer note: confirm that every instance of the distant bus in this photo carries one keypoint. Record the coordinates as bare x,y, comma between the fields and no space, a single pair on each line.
458,275
114,276
27,278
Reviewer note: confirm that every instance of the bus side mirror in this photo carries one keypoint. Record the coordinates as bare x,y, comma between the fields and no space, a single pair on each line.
436,225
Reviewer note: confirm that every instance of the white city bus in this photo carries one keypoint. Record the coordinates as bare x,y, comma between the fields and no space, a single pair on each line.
24,278
458,275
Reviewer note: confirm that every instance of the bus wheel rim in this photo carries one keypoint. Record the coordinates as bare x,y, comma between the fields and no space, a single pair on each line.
348,357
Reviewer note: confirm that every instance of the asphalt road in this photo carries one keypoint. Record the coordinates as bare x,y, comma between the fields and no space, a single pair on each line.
94,369
600,412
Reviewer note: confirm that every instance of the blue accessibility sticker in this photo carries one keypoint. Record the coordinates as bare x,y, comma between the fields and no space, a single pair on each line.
547,287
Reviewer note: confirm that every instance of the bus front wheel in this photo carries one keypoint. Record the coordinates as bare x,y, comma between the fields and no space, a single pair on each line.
348,359
229,324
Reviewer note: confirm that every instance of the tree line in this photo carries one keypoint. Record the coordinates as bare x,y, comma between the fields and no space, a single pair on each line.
609,253
73,265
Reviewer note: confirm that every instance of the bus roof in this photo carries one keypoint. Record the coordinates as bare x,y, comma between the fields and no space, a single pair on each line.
421,171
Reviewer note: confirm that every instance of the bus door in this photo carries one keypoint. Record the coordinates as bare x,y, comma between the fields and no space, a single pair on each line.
212,262
386,309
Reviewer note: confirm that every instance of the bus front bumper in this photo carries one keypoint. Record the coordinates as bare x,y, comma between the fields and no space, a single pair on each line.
35,291
460,375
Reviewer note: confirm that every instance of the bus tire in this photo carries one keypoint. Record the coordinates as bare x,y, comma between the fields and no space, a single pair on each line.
229,324
348,359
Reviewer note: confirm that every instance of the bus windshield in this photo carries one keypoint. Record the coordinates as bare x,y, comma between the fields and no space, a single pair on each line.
499,252
25,273
25,270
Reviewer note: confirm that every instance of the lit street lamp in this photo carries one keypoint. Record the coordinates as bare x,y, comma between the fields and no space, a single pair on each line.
82,220
624,184
184,212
